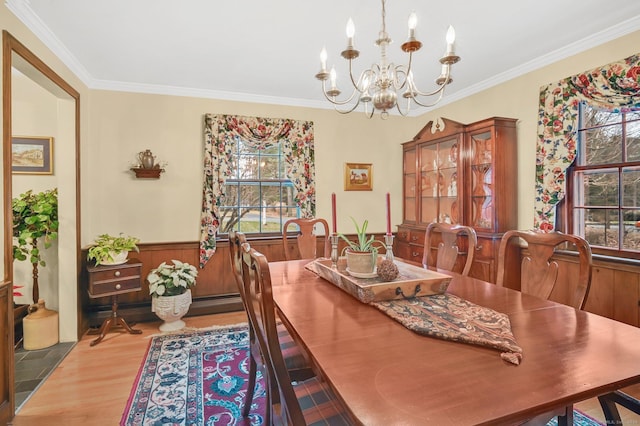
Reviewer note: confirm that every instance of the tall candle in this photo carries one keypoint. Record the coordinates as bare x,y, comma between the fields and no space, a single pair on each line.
333,212
388,214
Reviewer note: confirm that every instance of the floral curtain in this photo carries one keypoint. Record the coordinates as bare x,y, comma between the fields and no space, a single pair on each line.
221,133
614,85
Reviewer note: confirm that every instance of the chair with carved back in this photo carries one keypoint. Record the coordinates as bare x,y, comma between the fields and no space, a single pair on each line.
539,276
539,269
307,402
306,239
448,251
293,355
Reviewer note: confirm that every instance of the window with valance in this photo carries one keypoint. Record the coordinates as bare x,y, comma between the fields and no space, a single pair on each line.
614,85
221,135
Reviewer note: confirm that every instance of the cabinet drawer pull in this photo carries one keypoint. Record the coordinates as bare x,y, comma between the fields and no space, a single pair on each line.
118,286
415,254
414,238
117,273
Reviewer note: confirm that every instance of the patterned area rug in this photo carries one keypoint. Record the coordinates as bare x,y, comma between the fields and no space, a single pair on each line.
195,378
200,378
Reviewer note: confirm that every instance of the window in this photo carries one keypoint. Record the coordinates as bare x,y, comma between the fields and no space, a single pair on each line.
258,196
604,182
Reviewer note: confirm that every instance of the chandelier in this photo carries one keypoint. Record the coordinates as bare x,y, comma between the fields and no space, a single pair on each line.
381,84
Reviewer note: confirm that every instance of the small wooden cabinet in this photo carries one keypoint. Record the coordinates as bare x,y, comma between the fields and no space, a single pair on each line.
113,280
466,174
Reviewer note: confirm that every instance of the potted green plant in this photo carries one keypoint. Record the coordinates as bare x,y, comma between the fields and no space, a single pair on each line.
109,250
170,289
35,220
361,254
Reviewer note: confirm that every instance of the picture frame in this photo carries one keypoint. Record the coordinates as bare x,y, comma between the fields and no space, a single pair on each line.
32,155
358,177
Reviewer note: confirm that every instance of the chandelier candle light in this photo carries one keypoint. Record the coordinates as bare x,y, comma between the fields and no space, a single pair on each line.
380,84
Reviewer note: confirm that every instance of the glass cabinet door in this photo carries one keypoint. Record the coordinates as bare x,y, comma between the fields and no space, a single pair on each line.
409,177
482,209
439,177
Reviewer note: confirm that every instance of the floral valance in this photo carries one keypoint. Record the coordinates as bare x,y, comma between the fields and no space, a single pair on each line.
221,133
614,85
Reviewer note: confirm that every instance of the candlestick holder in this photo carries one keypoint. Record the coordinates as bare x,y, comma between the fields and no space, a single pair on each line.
334,250
388,242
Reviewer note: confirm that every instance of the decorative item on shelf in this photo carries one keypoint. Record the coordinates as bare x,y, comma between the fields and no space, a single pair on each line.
35,221
109,250
381,84
146,167
361,254
169,286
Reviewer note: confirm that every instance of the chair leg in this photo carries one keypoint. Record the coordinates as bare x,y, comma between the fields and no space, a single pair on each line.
251,386
608,403
567,419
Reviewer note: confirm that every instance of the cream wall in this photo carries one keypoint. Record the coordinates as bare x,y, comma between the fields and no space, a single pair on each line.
168,209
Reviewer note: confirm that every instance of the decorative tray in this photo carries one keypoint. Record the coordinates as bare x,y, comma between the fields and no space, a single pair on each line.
411,281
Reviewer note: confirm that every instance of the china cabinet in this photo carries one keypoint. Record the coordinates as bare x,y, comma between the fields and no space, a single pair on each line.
457,173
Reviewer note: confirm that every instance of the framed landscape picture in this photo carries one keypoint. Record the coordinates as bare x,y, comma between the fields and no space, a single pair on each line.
32,155
358,177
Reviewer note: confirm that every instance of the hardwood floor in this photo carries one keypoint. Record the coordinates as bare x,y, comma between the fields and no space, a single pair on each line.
92,384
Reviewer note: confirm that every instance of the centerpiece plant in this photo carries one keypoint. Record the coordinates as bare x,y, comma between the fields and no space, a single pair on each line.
361,254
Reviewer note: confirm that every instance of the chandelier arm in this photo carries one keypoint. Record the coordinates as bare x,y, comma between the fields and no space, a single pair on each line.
347,111
432,104
435,92
335,101
405,113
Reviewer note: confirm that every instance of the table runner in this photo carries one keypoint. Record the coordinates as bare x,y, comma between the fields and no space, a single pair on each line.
449,317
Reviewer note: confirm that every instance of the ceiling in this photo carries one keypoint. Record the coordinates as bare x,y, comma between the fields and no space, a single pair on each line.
268,51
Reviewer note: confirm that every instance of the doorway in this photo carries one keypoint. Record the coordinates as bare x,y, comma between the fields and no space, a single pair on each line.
27,83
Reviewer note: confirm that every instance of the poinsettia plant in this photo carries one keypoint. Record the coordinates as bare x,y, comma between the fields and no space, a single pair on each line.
171,279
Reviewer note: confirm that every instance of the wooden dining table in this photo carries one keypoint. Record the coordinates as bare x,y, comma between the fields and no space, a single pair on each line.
386,374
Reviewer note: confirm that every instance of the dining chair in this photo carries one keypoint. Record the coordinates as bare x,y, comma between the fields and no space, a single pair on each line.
609,403
539,277
294,357
448,251
306,239
303,403
539,271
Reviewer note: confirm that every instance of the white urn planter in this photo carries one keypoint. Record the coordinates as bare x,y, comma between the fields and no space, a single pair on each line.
171,309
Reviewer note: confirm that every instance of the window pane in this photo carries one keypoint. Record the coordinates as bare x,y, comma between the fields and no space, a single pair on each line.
271,194
597,188
631,239
602,227
249,220
231,195
633,139
595,117
228,219
248,167
269,168
631,187
249,195
272,150
602,145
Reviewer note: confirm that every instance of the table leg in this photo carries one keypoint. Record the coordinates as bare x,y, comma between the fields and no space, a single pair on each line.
113,320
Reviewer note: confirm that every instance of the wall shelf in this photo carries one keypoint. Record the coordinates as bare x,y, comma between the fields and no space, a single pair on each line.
142,173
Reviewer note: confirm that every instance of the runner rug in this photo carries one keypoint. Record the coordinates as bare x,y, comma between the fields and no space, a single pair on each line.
200,378
195,378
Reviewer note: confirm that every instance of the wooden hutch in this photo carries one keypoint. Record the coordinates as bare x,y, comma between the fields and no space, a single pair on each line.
466,174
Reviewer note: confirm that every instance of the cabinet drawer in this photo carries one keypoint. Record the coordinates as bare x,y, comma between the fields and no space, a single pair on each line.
403,235
114,279
417,237
415,253
105,288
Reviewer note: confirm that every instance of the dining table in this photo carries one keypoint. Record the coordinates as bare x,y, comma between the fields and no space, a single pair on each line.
385,374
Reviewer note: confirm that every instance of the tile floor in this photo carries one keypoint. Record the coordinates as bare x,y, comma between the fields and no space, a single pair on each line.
33,367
